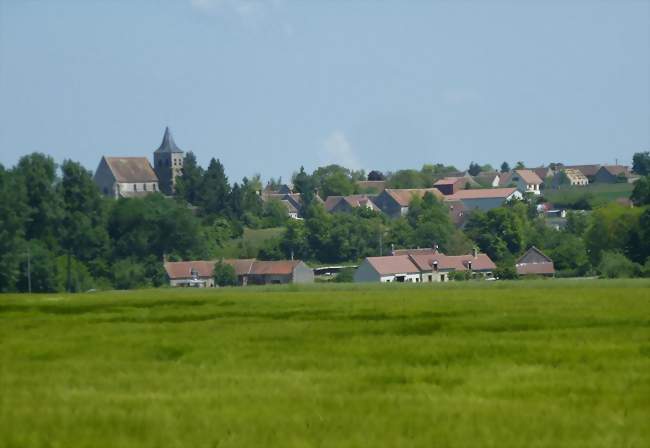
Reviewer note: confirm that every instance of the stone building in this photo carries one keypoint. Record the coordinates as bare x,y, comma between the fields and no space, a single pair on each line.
168,163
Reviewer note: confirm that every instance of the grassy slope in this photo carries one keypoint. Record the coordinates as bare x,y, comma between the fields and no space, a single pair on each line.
528,364
603,192
249,243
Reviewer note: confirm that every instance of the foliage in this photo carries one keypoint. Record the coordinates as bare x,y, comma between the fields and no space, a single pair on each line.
617,265
641,163
610,230
188,185
129,274
346,275
224,274
641,193
474,169
375,175
505,167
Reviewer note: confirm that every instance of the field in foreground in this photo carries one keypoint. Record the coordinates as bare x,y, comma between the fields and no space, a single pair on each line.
521,364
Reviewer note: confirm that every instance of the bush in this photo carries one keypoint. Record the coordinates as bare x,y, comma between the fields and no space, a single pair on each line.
460,276
224,274
128,274
345,276
617,265
506,272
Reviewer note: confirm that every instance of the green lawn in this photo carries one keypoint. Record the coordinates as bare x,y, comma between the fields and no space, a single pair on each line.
501,364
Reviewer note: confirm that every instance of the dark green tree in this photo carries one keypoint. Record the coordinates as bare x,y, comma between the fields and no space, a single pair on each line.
641,163
215,189
188,185
14,213
505,167
641,193
224,274
474,169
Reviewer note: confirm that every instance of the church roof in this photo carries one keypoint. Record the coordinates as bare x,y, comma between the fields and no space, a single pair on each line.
131,169
168,144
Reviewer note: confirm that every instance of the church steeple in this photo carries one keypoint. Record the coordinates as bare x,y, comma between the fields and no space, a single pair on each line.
168,144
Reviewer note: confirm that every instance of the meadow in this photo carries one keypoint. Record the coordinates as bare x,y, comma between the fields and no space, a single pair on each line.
592,194
487,364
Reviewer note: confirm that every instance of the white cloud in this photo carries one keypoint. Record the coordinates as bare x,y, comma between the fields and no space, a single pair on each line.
337,149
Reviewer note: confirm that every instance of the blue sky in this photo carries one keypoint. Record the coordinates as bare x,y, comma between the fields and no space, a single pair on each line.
267,86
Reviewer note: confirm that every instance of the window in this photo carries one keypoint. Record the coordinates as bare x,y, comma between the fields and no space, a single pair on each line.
154,187
135,187
430,277
144,187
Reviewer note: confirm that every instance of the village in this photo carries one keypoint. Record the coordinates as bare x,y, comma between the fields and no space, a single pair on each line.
461,193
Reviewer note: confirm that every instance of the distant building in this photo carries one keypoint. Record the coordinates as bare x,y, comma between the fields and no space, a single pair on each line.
422,266
488,178
611,174
125,177
395,202
534,262
589,171
371,186
526,181
248,272
574,177
334,204
134,176
168,163
450,185
484,199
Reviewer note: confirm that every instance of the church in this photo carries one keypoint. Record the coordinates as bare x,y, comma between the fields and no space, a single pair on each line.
129,177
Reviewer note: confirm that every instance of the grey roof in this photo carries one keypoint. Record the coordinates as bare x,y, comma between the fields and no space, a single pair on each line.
168,144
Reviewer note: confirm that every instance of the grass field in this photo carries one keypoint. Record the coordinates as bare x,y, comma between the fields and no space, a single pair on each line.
503,364
598,193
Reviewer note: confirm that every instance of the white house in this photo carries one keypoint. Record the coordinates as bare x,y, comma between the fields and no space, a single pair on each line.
397,268
526,181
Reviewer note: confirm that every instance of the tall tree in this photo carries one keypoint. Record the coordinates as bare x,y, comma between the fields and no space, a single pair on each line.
474,169
304,184
14,213
641,193
38,175
215,189
188,185
641,163
505,167
83,231
375,175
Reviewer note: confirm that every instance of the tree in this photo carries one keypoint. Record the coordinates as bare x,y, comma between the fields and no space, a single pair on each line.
129,274
274,213
14,213
215,189
641,163
188,185
83,231
430,221
37,172
610,229
520,165
406,179
43,269
224,274
570,254
333,180
505,167
304,184
641,193
474,169
376,175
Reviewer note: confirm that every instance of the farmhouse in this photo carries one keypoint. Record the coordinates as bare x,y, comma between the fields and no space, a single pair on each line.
488,178
292,202
589,171
526,181
391,268
534,262
573,177
485,199
422,265
248,271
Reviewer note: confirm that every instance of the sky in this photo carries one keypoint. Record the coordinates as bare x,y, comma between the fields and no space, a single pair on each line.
269,85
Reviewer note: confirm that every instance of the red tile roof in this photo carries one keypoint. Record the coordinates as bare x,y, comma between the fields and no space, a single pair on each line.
280,267
449,180
530,177
393,264
404,196
183,269
454,262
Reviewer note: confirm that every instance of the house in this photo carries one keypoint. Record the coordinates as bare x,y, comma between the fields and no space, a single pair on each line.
571,176
484,199
292,201
125,177
543,172
292,211
589,171
336,204
248,271
490,179
450,185
395,202
526,181
198,274
437,267
534,262
134,176
387,269
611,174
422,266
371,186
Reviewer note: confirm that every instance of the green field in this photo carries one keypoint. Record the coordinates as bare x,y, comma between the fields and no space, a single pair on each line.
502,364
598,194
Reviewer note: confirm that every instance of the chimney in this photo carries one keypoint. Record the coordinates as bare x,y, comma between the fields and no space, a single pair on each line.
435,265
469,265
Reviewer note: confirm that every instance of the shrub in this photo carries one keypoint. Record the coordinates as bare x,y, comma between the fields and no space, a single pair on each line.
617,265
224,274
129,274
345,276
